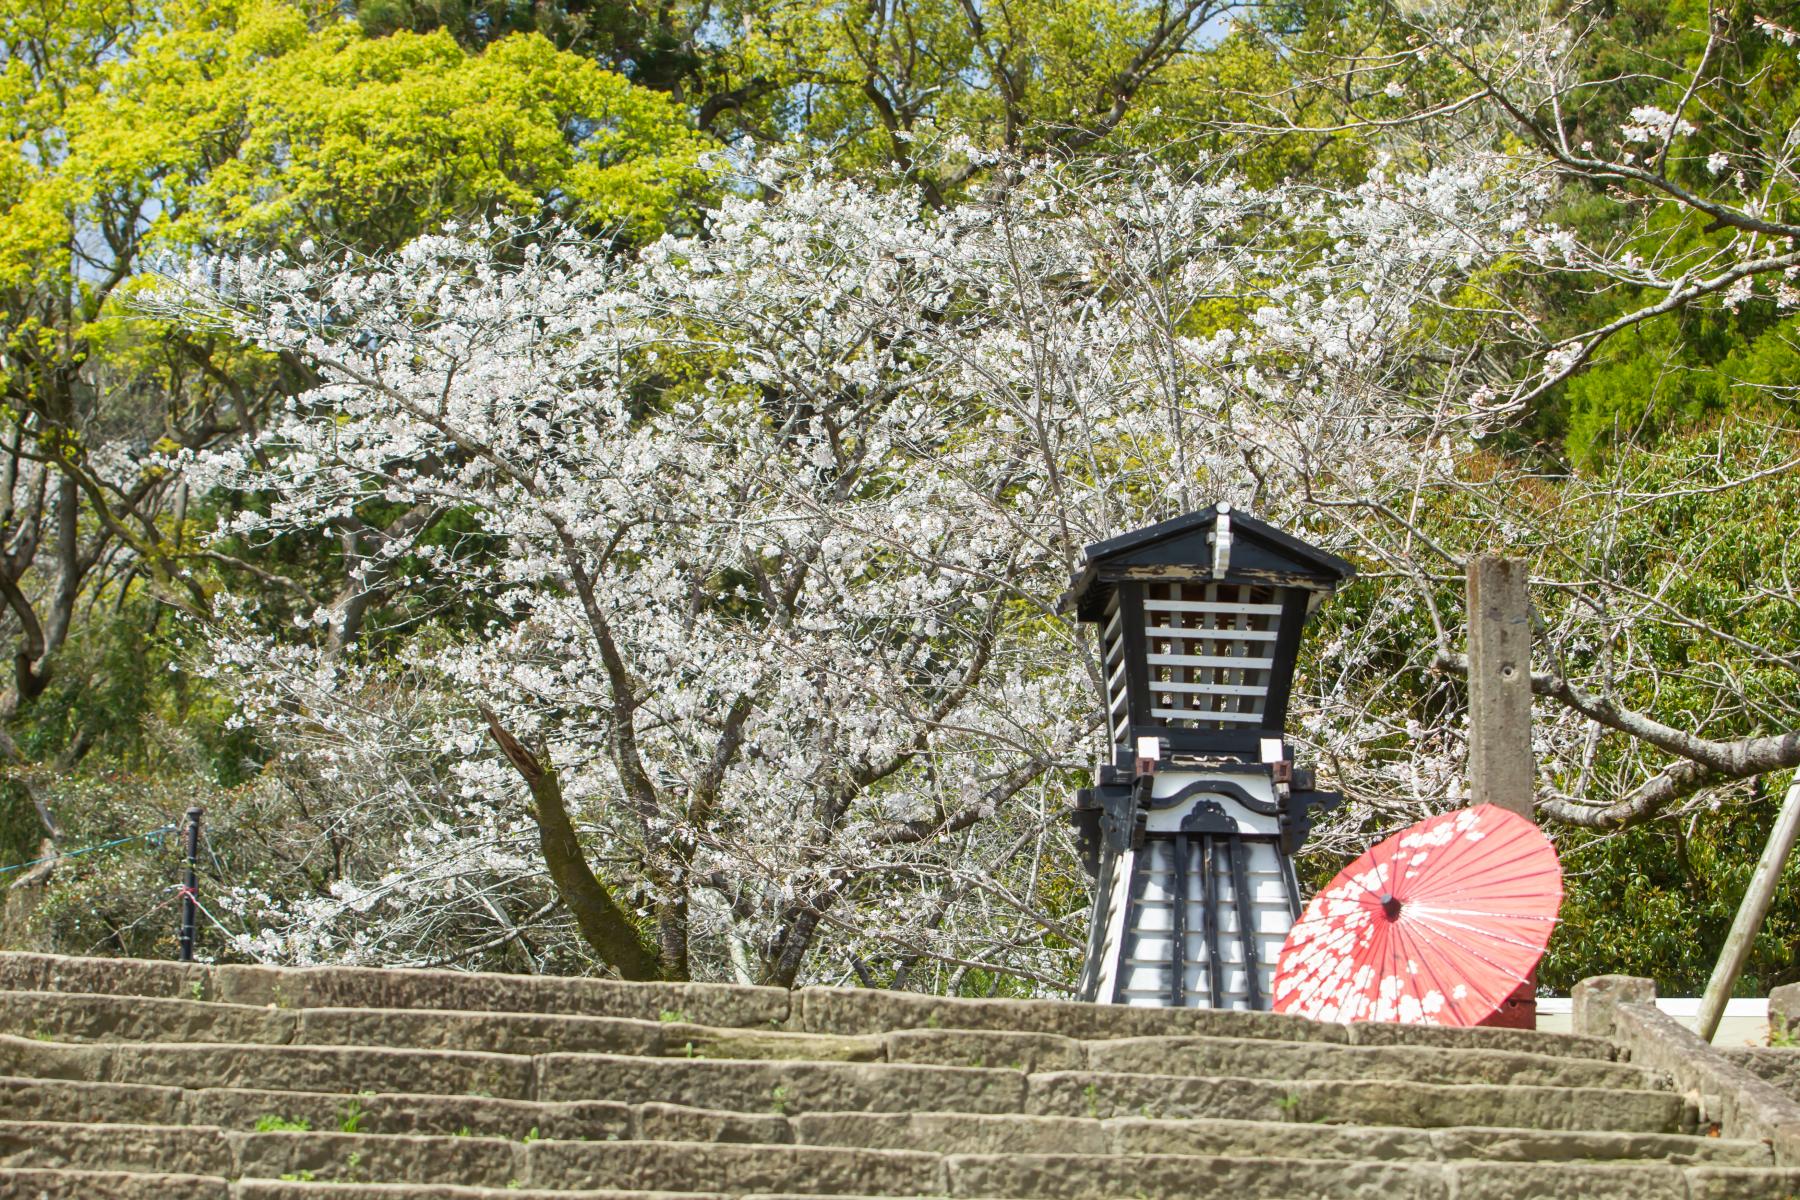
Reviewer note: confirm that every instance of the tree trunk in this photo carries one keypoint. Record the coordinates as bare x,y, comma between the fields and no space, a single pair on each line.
604,925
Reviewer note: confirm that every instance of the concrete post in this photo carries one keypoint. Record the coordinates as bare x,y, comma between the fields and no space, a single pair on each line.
1501,768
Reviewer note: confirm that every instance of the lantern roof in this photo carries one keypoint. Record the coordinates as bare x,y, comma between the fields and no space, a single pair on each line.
1216,542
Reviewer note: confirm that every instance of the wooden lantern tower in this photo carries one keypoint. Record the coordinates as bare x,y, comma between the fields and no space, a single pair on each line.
1190,831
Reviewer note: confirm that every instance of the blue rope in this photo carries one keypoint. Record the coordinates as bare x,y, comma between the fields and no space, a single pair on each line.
136,837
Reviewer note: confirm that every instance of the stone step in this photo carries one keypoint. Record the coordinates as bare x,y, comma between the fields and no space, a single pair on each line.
783,1088
842,1011
868,1010
951,1132
1355,1102
1702,1184
1298,1060
288,1189
290,1068
90,1017
269,1189
66,1017
115,1185
39,1184
1520,1183
1066,1177
369,987
960,1133
788,1087
1177,1177
183,1150
686,1168
740,1085
377,1113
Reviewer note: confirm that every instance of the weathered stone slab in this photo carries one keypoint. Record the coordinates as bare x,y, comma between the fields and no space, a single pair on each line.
1253,1058
23,1099
1596,1002
482,1032
1153,1097
1559,1181
1778,1066
987,1048
88,1017
1784,1010
175,1150
1178,1177
352,1158
113,1185
673,1166
111,976
366,987
1514,1041
281,1189
1356,1102
1726,1183
371,987
282,1068
329,1069
375,1113
1529,1145
953,1133
1432,1105
870,1010
678,1123
700,1041
781,1088
1249,1139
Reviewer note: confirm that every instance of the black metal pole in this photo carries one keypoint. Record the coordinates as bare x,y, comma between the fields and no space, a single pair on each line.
190,894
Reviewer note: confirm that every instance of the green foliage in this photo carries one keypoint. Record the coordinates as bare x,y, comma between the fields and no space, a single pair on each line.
1673,372
270,1123
20,829
1710,356
258,120
1657,901
120,696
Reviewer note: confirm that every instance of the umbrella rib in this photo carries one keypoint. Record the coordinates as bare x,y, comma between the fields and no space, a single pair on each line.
1499,968
1517,977
1425,965
1509,836
1432,914
1484,912
1449,867
1437,983
1490,876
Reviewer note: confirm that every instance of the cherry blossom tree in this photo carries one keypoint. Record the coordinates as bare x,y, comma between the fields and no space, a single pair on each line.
1667,663
759,535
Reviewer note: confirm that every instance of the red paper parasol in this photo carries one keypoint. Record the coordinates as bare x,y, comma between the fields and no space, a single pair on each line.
1437,925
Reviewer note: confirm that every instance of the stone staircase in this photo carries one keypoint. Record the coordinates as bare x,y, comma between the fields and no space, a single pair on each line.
139,1079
